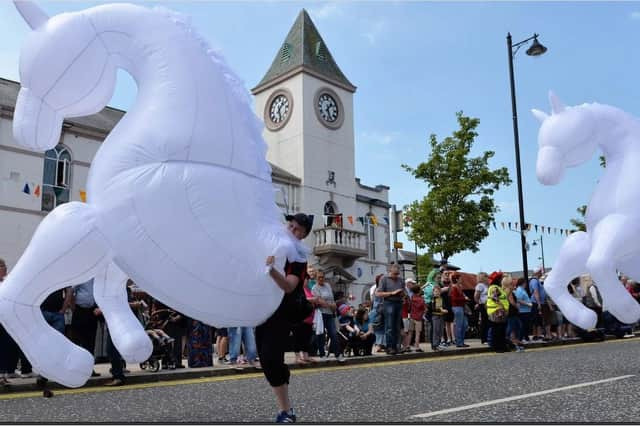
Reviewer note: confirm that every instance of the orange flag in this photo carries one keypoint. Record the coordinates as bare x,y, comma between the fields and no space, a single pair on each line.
350,219
36,192
83,196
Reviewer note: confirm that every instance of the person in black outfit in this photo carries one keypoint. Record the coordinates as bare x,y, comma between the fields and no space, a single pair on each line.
272,336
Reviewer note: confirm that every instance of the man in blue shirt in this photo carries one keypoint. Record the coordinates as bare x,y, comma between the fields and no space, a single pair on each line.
540,310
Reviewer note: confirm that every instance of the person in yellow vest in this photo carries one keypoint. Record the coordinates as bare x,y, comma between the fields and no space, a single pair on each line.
497,310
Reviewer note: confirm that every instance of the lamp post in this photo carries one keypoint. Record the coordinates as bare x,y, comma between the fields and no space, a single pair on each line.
535,243
534,50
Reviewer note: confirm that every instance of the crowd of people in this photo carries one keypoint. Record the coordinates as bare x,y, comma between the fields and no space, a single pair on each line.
504,312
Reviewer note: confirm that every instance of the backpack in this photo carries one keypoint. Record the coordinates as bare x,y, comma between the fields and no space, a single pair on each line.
588,299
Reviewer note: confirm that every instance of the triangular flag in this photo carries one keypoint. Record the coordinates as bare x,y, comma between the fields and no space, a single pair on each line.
83,196
502,224
386,219
548,230
36,192
494,225
339,220
350,219
361,220
374,220
542,228
509,225
536,226
26,189
528,227
515,224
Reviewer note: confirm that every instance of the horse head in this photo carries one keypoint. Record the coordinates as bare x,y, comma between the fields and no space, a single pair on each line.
565,139
65,71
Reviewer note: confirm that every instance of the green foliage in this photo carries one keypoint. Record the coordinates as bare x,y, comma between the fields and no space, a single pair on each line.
456,212
425,265
579,223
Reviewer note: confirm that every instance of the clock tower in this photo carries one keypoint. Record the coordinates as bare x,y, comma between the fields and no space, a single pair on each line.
306,103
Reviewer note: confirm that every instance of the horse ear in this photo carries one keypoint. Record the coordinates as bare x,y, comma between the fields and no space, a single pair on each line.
31,13
556,105
540,115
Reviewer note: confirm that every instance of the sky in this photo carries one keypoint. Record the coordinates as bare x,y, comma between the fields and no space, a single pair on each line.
415,64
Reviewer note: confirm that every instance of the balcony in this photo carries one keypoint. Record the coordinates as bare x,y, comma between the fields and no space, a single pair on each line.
338,246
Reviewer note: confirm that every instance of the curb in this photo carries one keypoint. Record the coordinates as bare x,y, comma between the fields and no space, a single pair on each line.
194,373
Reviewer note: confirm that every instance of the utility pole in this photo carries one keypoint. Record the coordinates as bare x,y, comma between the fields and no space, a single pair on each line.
394,225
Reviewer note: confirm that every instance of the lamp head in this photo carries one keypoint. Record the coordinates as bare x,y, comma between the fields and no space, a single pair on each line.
536,48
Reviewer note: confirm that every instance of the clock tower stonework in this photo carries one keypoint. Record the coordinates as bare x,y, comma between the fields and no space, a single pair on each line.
306,103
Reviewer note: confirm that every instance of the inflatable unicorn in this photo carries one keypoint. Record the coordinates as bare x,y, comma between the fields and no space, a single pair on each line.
567,138
180,197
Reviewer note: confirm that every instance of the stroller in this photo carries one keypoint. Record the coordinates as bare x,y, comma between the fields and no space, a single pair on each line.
162,354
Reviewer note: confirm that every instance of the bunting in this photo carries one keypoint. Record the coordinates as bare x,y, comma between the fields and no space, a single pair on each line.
516,226
350,219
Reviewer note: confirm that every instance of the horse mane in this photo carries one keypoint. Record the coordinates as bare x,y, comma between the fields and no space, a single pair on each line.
234,82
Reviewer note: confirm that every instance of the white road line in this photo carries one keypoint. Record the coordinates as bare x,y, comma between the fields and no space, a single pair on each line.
512,398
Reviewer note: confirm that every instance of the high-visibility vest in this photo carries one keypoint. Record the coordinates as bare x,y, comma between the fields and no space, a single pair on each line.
502,299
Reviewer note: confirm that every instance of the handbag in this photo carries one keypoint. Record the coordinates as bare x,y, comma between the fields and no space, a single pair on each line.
498,316
297,306
318,323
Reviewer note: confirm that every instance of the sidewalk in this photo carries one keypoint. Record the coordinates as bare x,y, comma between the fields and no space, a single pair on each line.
140,376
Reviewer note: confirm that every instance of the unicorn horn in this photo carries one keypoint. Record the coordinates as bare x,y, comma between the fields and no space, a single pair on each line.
556,105
31,13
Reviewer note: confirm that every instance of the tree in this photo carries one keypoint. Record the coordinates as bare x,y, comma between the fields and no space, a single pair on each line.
456,212
425,265
579,223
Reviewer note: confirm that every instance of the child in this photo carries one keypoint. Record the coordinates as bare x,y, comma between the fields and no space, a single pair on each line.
417,311
437,320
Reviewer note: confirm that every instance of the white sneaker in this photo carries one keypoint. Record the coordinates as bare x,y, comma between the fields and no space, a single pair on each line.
340,359
28,375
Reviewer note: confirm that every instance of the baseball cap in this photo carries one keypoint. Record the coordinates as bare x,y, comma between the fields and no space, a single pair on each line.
303,220
343,309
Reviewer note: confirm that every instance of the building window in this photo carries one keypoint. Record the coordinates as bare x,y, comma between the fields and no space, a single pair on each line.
371,237
56,177
330,210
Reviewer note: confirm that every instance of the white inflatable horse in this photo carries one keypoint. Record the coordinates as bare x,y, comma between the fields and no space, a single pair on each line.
567,138
180,197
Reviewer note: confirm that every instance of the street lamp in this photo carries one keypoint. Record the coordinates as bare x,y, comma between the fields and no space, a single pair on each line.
535,243
535,49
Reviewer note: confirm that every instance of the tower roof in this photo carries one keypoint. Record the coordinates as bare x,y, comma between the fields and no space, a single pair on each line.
304,50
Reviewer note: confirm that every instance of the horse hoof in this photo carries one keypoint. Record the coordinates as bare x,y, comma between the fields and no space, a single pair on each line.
134,347
585,319
628,312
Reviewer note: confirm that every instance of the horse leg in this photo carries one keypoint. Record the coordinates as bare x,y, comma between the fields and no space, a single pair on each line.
127,334
571,263
66,249
613,238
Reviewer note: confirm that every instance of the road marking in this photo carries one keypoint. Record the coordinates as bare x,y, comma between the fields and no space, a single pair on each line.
512,398
303,371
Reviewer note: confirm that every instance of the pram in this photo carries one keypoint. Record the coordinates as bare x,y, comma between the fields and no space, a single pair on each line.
162,353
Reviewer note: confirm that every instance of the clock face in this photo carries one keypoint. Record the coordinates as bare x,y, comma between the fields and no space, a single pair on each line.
328,108
279,109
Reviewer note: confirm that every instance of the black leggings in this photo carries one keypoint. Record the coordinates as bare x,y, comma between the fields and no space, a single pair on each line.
271,340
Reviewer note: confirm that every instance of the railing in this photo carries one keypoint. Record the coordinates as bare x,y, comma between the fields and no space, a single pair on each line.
339,238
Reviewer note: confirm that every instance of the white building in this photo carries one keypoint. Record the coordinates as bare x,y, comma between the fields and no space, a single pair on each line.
307,105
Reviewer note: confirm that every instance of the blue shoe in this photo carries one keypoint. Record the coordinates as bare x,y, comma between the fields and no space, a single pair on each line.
286,417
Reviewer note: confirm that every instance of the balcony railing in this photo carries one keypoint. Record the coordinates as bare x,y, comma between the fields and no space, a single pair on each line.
339,243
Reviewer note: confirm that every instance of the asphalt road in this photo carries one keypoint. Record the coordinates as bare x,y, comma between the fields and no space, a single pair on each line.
505,388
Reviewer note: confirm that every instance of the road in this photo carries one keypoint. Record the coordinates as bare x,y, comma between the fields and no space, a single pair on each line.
578,383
